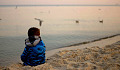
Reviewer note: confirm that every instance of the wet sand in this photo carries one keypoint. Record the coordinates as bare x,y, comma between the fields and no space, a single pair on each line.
99,55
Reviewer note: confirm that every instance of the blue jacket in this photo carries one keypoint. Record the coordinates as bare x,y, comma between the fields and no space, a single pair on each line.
34,55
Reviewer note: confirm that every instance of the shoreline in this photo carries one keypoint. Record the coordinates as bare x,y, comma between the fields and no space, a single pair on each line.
86,42
82,45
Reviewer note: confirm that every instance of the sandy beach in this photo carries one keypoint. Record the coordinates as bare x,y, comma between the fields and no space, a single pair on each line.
98,55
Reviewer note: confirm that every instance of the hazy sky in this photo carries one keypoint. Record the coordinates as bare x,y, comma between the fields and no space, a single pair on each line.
84,2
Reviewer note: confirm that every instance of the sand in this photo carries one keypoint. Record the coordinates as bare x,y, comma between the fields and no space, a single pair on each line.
99,55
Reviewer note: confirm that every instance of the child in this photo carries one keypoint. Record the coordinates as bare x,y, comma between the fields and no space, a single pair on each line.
34,52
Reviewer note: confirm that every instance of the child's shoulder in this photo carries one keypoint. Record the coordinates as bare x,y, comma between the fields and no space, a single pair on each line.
41,43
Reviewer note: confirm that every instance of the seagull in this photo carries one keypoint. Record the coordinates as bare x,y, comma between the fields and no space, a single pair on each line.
101,21
40,21
77,21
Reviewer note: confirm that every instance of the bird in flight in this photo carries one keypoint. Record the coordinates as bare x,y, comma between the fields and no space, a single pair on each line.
40,21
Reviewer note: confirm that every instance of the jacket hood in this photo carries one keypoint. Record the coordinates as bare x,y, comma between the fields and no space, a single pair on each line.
28,43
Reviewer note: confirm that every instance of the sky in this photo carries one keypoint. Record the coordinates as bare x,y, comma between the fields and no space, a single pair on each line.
54,2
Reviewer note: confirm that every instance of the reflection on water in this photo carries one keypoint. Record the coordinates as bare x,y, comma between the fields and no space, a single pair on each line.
62,26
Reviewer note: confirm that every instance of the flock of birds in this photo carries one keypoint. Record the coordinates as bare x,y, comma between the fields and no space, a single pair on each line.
100,21
77,21
40,21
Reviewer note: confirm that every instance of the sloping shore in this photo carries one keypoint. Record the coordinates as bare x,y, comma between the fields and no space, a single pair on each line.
87,57
101,42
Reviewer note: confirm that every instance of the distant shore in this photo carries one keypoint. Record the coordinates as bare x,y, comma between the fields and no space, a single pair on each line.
100,54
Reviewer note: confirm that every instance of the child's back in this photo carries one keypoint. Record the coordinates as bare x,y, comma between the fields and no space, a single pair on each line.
34,52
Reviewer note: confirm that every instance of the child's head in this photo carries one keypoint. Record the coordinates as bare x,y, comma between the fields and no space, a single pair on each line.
33,31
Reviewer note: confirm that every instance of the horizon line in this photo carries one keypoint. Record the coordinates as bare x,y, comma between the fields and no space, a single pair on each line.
62,5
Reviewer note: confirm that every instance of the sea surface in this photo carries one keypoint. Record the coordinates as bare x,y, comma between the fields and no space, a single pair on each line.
59,27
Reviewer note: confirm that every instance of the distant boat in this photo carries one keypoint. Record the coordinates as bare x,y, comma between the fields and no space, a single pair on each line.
16,7
99,9
77,21
40,21
117,4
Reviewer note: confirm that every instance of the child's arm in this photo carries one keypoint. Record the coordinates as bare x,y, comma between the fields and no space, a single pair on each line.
24,54
43,44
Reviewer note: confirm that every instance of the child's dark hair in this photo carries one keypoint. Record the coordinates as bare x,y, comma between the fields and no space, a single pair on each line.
33,31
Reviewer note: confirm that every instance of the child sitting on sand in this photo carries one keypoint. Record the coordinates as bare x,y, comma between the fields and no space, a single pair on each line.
34,52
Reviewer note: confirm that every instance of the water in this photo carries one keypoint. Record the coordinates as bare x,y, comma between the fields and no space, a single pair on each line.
59,28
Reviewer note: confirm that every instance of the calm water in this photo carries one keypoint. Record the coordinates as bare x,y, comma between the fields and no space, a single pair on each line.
59,28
